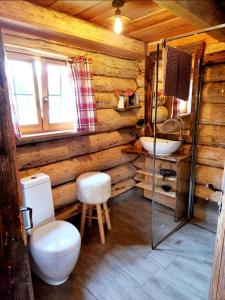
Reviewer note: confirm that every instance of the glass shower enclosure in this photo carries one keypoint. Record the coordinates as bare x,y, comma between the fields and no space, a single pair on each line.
169,178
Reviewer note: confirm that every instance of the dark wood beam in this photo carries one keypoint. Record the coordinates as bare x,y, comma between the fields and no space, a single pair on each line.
201,13
15,278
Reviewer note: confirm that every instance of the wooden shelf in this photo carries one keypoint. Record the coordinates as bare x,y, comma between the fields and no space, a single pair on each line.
158,190
174,157
127,108
157,175
133,150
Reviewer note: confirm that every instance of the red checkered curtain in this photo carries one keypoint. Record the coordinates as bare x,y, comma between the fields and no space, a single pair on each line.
84,93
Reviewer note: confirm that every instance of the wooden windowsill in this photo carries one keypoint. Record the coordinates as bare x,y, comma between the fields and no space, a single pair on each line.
46,136
185,115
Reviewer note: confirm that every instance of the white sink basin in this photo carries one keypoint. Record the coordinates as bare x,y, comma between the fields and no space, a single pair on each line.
163,147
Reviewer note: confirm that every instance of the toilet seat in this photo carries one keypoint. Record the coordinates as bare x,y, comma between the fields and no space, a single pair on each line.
54,238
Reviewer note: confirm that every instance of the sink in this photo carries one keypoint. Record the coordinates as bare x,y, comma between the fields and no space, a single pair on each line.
163,146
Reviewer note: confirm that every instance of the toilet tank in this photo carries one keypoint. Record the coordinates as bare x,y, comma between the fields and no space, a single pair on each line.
37,194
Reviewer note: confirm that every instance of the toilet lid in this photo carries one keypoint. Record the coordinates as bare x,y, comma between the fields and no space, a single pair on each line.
55,237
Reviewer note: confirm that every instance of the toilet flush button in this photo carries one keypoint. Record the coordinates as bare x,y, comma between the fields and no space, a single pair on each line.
33,177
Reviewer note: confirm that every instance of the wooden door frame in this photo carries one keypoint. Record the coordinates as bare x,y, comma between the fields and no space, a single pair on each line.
15,275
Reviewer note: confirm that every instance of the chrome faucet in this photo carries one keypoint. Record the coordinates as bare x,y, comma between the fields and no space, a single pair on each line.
180,123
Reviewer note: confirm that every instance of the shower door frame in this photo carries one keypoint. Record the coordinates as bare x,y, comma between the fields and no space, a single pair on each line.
195,105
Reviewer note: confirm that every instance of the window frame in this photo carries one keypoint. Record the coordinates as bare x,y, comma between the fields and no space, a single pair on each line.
41,95
48,127
30,129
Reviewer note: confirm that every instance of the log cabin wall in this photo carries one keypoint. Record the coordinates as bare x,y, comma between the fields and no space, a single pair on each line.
211,151
66,158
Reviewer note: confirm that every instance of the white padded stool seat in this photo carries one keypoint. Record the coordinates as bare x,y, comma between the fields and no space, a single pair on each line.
93,187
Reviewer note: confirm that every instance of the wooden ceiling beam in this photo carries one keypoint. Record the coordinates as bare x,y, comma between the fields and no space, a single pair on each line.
201,13
39,20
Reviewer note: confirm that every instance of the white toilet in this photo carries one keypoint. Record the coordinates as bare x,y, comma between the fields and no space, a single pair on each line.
54,245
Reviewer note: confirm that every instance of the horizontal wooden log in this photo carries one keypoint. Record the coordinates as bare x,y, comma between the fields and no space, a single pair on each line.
162,114
141,80
211,156
26,16
202,212
121,172
212,114
139,163
66,194
105,100
201,191
214,92
68,170
141,65
215,73
123,186
140,112
141,94
40,154
109,120
212,135
139,177
68,212
208,174
71,210
109,84
101,64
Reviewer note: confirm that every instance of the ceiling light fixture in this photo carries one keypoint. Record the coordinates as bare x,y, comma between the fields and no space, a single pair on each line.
118,25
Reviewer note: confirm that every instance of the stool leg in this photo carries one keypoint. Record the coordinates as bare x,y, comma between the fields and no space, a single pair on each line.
83,218
106,211
100,223
89,215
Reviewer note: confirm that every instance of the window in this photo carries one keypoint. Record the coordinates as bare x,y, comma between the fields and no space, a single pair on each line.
184,107
43,93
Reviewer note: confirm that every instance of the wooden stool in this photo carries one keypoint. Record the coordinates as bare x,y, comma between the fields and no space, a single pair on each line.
101,214
94,189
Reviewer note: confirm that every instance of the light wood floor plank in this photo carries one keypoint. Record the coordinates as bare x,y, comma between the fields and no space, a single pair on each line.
126,268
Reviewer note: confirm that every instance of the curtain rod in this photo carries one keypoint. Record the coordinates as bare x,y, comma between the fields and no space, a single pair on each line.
177,37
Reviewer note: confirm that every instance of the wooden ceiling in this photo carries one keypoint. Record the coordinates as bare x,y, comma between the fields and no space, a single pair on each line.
148,21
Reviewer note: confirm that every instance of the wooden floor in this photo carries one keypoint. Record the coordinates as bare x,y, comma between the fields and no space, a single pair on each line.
126,268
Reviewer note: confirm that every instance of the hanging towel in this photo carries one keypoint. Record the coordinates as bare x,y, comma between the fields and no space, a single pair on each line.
176,73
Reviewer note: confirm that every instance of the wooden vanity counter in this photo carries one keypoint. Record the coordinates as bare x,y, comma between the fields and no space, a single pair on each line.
177,198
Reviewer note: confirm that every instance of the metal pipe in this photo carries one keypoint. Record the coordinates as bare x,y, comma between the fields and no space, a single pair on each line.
195,137
154,148
181,36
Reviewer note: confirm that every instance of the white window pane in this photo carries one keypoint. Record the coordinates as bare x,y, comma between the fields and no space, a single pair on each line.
21,80
61,109
54,79
27,112
54,109
22,76
62,104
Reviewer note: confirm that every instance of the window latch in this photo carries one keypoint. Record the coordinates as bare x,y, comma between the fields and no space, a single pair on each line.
45,99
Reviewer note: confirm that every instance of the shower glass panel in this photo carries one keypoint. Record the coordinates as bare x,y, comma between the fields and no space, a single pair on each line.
169,175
